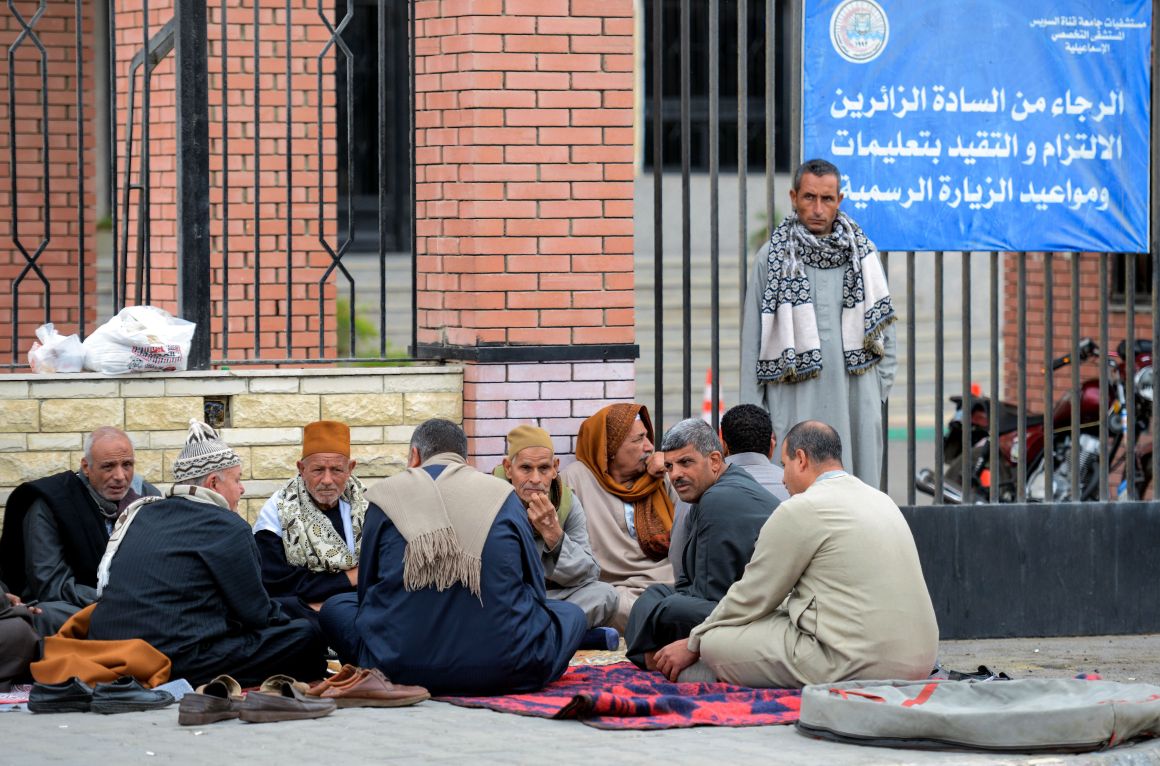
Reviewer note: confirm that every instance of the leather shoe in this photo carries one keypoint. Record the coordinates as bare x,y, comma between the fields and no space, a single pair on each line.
344,675
72,696
127,695
219,700
281,698
370,688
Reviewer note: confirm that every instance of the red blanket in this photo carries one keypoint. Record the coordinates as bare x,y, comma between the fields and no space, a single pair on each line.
623,697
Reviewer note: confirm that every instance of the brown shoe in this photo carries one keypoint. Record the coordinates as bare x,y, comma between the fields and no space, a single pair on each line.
372,689
281,698
343,676
219,700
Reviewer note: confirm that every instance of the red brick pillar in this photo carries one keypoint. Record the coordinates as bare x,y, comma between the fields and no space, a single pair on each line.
46,223
524,150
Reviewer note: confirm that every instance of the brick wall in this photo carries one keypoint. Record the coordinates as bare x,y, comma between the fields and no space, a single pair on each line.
274,295
1089,324
524,171
44,419
555,396
45,206
524,152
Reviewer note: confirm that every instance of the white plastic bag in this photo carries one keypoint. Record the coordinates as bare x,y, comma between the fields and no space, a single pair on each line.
54,352
139,339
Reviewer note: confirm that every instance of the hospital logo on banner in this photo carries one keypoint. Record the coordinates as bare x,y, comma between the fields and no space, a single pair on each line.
859,30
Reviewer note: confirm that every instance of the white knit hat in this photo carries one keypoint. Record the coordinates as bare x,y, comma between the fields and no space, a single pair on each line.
204,453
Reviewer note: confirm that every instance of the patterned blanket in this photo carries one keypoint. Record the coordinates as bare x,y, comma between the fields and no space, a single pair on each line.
621,696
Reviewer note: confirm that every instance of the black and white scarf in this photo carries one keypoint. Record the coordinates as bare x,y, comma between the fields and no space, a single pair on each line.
790,347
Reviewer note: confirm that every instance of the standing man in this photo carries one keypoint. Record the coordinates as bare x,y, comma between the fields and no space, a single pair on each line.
56,528
834,590
182,573
309,532
817,340
727,510
559,525
630,511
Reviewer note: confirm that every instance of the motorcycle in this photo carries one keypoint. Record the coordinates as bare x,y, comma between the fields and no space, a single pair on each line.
1057,456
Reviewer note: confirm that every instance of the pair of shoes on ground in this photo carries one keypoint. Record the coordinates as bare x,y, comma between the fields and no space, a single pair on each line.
362,687
279,698
125,695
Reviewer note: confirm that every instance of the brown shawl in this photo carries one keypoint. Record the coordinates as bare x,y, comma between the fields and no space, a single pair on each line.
445,521
597,443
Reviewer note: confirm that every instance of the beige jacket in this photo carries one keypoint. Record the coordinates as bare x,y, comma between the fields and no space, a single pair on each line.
622,564
836,578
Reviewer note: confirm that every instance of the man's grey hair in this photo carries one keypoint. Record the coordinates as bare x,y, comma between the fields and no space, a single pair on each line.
439,435
815,167
695,432
104,432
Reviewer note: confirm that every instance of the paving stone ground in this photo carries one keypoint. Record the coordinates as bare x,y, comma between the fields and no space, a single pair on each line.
439,733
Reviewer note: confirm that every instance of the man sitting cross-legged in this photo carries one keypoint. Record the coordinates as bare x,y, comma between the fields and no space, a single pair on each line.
629,509
728,508
182,573
749,442
451,590
841,557
560,527
309,532
56,528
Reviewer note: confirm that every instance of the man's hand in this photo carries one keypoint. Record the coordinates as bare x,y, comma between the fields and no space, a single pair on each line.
14,600
656,464
352,576
674,658
542,514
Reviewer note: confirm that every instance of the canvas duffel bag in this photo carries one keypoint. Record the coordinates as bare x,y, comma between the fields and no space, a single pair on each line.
1025,715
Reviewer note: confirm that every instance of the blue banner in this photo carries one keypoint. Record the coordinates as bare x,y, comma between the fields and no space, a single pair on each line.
984,124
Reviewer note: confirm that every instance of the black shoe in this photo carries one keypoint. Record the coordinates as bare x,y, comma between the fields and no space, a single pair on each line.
125,695
72,696
600,638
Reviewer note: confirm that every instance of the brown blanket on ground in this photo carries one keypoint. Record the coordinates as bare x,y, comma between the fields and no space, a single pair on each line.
71,653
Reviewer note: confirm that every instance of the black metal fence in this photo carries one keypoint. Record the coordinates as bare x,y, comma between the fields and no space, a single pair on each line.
365,96
1093,442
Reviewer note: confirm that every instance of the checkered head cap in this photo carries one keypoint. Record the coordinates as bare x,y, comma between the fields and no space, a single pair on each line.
203,454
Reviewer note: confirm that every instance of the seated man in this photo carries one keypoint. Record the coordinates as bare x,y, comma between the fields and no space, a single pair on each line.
19,641
747,434
56,528
558,523
309,532
630,511
451,591
182,573
749,441
857,606
727,511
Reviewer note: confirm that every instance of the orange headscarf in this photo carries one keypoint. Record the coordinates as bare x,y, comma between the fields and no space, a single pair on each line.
597,443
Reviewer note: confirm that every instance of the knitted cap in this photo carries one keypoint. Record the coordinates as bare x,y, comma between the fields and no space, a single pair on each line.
522,437
204,453
326,436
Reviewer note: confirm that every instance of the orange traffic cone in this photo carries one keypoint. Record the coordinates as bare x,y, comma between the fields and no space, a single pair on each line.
707,404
